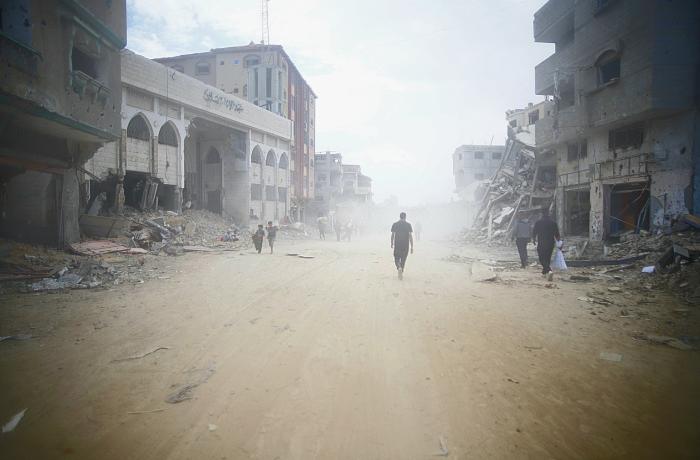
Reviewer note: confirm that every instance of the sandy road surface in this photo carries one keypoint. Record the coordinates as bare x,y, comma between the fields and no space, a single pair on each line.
333,357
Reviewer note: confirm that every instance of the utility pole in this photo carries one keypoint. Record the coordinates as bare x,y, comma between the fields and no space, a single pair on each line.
265,16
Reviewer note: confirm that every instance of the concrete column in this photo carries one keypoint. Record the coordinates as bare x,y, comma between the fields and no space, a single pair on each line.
69,212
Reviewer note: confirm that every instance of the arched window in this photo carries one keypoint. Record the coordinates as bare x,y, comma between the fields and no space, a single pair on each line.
202,68
213,157
138,129
270,160
608,66
167,135
284,161
256,157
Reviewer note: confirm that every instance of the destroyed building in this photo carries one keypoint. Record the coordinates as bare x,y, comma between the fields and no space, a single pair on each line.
624,128
474,163
184,142
265,75
60,100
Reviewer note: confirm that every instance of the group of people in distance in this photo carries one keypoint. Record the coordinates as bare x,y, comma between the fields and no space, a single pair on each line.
259,237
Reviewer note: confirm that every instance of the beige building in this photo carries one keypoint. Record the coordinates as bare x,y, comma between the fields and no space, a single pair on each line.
60,100
265,76
187,141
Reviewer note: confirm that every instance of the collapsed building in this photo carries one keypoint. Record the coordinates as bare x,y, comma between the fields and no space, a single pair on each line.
60,100
185,143
624,131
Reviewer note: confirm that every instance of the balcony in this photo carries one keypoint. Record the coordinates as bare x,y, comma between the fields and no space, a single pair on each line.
554,21
566,125
562,61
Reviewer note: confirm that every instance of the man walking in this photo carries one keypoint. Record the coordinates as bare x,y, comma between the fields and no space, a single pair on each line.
401,239
522,239
545,235
258,238
321,222
271,235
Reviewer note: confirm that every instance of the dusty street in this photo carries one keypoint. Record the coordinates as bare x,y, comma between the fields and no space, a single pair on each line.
279,357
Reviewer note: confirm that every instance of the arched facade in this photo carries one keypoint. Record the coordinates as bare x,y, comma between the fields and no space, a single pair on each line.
256,182
213,180
139,133
169,153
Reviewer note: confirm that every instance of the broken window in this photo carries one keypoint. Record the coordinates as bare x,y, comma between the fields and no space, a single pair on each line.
608,66
284,162
81,61
627,137
577,150
532,117
496,155
202,68
235,90
167,135
138,129
255,192
270,160
478,155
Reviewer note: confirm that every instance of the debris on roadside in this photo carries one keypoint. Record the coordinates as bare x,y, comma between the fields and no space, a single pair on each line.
13,422
15,337
612,357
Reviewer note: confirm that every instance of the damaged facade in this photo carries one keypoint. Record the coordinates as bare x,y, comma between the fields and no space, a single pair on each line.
475,163
265,76
60,100
185,143
624,128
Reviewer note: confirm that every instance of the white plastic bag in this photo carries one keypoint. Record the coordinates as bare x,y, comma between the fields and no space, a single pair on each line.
559,263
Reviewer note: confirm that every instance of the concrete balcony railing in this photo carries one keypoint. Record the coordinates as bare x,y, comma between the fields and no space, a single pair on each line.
553,21
562,62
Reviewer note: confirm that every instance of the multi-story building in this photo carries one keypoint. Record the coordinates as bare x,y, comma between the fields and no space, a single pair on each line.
356,185
60,100
329,180
265,76
522,122
188,141
624,126
473,163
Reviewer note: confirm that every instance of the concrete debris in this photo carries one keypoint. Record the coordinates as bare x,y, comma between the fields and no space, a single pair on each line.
15,337
669,341
612,357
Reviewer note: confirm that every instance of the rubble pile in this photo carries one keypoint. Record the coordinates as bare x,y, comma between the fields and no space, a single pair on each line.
515,189
295,231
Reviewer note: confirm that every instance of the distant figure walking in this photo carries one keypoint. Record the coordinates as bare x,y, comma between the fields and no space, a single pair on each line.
321,222
401,240
545,234
522,239
258,238
271,235
419,230
338,229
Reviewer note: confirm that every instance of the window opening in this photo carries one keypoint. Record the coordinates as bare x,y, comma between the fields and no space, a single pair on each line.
608,67
167,135
84,63
202,68
478,155
137,129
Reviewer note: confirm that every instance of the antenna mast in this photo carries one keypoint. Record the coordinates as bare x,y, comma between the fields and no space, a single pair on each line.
265,22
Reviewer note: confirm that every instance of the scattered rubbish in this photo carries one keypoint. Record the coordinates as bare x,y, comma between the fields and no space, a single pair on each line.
142,355
670,341
14,421
444,452
137,412
531,347
15,337
292,254
598,262
614,289
301,256
649,269
97,247
67,281
197,249
579,278
184,392
613,357
95,226
513,381
212,427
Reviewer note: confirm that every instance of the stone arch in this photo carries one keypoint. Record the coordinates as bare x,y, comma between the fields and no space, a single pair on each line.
256,155
168,135
139,128
284,161
271,159
213,180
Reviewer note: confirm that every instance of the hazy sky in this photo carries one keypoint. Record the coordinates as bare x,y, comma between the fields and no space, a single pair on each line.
400,83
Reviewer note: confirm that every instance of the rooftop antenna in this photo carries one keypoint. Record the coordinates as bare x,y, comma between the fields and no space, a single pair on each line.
265,22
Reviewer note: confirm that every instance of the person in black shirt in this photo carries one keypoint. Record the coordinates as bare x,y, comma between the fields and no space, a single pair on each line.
401,240
258,238
545,234
271,235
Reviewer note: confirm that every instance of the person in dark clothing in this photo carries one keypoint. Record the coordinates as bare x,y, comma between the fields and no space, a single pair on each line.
271,235
258,238
401,240
545,234
522,239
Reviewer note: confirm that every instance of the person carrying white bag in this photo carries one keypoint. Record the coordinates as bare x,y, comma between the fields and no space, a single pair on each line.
559,263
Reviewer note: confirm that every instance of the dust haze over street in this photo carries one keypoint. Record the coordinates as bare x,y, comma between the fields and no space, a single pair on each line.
274,356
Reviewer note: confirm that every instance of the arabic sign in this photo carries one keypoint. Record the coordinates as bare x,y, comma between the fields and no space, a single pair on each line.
218,99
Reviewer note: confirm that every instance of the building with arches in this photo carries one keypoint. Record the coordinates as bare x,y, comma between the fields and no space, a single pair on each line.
265,76
184,142
624,130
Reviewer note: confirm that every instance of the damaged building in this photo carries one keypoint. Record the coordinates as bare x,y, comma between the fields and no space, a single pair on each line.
624,128
185,143
60,100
